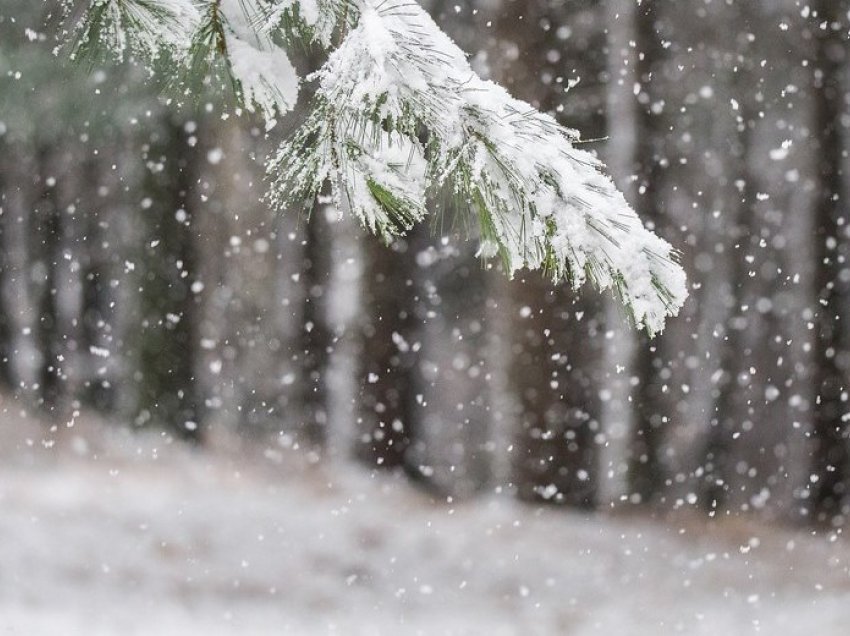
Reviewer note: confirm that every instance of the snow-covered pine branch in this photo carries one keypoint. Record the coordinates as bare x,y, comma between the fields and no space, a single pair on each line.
399,115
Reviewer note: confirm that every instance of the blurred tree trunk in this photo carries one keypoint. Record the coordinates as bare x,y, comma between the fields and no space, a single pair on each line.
556,341
653,404
619,155
451,450
45,247
388,387
97,296
7,336
316,335
832,460
168,338
732,403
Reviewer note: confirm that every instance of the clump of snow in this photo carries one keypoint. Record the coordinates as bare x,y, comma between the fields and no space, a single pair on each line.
267,78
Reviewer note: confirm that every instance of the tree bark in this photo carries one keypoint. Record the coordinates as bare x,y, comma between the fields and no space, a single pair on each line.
46,239
316,337
7,344
653,406
168,338
388,387
832,459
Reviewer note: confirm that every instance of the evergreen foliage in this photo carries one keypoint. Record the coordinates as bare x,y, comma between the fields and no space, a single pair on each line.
398,115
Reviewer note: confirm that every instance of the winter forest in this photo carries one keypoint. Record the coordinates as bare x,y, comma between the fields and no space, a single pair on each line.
313,323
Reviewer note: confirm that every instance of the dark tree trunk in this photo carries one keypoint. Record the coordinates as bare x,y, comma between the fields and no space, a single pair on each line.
45,248
96,314
168,339
653,405
731,403
730,406
7,344
831,460
556,342
317,338
387,423
453,449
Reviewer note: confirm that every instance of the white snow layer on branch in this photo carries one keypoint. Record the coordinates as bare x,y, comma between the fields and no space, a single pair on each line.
541,202
321,17
144,27
399,112
266,78
385,183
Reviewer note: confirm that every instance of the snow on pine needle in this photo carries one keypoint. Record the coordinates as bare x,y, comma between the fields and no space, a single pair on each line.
399,116
539,202
197,37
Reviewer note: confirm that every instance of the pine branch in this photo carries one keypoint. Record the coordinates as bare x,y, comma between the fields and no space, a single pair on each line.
539,201
209,43
117,28
398,113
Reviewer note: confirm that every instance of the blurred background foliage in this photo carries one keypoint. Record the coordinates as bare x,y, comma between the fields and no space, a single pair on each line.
142,276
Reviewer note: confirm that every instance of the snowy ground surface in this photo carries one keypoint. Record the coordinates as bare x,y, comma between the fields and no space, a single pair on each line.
110,534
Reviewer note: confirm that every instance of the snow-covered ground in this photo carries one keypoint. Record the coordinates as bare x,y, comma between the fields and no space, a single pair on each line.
111,534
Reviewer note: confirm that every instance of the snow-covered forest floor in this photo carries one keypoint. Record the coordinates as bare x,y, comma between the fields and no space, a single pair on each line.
103,532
